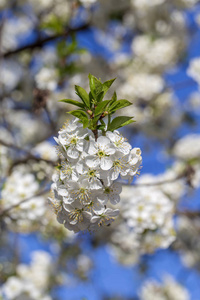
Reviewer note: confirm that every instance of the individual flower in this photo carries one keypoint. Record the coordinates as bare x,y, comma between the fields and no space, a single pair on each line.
93,175
106,217
72,143
119,142
110,193
100,152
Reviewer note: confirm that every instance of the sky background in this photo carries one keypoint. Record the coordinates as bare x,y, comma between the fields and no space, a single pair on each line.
108,277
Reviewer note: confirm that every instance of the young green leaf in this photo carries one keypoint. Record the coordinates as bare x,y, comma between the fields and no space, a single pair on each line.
120,122
80,115
113,99
83,95
101,127
101,107
107,84
74,102
118,105
99,98
96,86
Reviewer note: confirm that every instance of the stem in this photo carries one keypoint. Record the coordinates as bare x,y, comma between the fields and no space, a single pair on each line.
95,131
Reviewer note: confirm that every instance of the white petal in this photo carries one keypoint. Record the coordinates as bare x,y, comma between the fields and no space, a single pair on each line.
110,149
92,149
117,188
112,213
95,219
114,199
95,184
106,163
92,161
79,145
98,208
73,153
68,200
103,141
113,174
82,132
62,191
110,135
55,177
103,198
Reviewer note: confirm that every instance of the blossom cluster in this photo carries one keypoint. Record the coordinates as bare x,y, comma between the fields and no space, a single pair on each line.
86,183
188,234
18,197
30,282
170,289
147,220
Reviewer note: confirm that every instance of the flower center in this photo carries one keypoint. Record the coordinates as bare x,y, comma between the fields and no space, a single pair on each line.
91,173
118,143
76,215
74,141
101,153
83,195
107,190
138,152
116,163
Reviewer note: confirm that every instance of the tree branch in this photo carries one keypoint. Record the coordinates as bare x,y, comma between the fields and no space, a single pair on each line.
29,155
156,183
40,42
6,211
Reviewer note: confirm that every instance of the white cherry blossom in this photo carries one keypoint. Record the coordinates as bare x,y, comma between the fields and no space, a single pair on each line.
100,153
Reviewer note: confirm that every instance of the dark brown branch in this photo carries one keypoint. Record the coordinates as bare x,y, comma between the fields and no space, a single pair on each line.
40,42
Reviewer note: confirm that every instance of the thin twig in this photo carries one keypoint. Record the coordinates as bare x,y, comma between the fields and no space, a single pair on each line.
190,214
29,155
162,182
6,211
51,121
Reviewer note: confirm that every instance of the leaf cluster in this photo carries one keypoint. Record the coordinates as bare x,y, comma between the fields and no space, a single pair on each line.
92,109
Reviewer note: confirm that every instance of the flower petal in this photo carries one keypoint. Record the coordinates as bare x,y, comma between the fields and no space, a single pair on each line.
106,163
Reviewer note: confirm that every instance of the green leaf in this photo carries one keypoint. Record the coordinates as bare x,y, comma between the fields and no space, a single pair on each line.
118,105
83,95
101,127
92,124
100,96
80,115
113,99
101,107
74,102
91,97
99,89
107,84
54,23
96,86
119,122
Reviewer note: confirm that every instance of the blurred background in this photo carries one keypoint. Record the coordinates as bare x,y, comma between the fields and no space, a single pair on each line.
152,250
